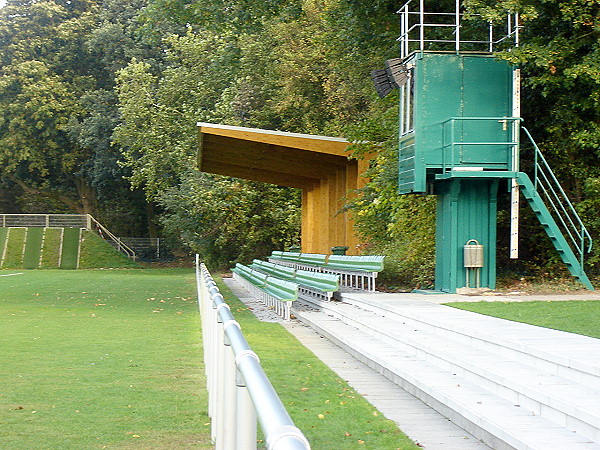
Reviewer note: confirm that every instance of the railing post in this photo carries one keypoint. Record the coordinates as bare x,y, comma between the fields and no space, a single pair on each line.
422,27
219,406
246,416
229,395
457,26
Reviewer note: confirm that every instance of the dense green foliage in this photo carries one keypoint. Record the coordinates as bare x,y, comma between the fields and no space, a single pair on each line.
93,94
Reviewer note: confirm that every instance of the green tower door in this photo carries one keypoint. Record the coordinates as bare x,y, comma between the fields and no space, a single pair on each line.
466,209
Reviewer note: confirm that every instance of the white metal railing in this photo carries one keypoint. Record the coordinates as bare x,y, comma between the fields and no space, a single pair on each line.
238,388
111,238
44,220
431,30
453,131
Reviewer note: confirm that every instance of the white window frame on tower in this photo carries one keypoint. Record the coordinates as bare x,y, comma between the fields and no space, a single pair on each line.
407,105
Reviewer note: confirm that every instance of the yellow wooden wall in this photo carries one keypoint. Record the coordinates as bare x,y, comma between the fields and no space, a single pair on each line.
324,224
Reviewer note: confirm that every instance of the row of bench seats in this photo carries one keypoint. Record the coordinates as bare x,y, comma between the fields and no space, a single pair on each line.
272,291
311,283
355,271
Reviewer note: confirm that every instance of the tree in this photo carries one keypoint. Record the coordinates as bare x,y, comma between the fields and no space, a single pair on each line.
45,71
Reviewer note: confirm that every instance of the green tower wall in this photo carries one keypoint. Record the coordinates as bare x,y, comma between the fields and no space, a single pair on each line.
466,209
465,87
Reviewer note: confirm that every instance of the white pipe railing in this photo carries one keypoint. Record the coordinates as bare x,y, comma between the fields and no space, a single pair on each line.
44,220
239,391
107,235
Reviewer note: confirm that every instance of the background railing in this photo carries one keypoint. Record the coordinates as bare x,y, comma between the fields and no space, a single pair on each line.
45,220
422,30
555,198
503,130
238,388
110,237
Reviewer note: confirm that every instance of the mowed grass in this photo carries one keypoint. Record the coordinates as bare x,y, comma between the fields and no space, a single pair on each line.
98,253
101,359
579,317
112,359
329,412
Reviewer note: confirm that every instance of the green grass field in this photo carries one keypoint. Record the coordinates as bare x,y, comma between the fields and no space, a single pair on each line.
50,248
579,317
33,248
97,253
101,359
14,248
112,359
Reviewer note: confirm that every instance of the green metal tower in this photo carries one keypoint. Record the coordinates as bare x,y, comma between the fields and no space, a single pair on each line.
459,139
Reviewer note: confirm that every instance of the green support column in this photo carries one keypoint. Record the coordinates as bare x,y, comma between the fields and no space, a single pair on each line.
466,209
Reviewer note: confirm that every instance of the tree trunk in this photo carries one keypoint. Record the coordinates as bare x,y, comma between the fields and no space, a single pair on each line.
87,197
150,217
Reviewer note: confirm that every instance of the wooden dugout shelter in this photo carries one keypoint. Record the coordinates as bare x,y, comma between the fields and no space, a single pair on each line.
319,165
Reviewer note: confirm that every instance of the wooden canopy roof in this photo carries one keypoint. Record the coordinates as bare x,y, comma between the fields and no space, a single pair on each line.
276,157
319,165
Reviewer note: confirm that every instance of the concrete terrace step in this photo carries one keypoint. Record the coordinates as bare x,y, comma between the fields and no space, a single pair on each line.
567,355
543,393
497,398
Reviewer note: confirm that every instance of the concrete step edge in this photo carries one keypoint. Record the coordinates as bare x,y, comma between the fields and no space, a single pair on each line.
498,432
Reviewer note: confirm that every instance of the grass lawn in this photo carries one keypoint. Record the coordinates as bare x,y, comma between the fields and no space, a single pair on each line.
329,412
101,359
579,317
112,359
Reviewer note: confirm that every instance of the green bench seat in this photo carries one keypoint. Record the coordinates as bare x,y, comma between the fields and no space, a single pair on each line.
276,255
285,258
314,259
279,294
272,291
317,284
282,290
255,277
256,264
277,270
290,256
367,263
355,271
324,282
